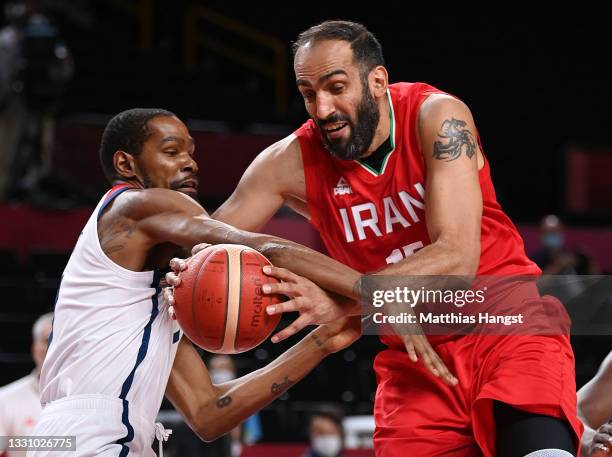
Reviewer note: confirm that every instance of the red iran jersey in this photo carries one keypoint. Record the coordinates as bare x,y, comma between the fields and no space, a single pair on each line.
370,218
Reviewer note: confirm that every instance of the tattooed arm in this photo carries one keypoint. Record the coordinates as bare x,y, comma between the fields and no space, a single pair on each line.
213,410
453,209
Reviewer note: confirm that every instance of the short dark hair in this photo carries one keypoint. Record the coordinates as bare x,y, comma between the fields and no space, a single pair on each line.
367,51
331,415
127,131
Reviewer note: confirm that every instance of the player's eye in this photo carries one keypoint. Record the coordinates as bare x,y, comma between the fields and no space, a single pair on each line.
309,96
171,152
337,89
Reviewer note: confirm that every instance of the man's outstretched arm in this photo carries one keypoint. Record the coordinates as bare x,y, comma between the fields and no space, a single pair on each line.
213,410
165,216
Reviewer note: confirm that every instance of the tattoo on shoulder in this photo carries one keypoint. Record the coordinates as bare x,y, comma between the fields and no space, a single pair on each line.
224,401
110,249
110,233
277,388
455,139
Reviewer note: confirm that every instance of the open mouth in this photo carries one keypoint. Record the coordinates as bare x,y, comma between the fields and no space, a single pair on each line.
335,127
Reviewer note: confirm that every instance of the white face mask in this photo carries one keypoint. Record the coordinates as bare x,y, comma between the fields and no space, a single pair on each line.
235,449
221,375
327,445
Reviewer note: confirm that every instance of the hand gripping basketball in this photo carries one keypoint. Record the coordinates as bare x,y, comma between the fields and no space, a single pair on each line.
218,301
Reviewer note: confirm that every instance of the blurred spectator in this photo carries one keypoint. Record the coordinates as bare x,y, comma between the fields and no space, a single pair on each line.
595,411
12,104
326,435
35,66
560,266
554,258
222,369
20,401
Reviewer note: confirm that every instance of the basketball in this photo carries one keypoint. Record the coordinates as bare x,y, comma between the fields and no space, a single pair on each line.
219,303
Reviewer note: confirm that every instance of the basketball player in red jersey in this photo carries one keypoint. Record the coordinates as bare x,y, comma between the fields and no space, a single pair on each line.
395,180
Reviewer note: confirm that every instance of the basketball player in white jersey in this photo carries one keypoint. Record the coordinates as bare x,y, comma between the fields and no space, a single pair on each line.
114,350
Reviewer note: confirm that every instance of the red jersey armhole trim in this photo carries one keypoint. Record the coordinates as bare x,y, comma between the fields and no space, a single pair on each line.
415,108
309,174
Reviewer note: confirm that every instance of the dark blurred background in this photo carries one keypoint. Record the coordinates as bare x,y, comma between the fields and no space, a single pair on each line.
538,86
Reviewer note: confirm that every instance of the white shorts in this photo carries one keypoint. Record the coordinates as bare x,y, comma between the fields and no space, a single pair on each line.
102,425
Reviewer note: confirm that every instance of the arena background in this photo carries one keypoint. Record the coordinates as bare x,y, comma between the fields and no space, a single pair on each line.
539,89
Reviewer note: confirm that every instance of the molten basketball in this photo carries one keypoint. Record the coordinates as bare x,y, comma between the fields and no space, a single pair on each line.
219,303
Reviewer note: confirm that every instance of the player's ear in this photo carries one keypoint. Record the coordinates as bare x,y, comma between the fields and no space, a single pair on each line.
379,81
124,164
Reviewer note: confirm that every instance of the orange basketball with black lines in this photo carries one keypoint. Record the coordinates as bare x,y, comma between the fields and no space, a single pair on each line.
219,303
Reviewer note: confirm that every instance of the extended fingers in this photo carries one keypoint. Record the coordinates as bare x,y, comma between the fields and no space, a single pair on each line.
432,360
283,288
291,329
436,365
442,369
286,307
410,349
279,273
425,356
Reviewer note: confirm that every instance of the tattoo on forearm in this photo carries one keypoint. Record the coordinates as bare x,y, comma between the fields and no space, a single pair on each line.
281,386
456,138
318,341
224,401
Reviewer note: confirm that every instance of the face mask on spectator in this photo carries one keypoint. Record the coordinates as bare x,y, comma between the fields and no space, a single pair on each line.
552,240
327,445
221,375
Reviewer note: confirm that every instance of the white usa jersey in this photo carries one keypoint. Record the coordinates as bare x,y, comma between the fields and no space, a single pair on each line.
112,335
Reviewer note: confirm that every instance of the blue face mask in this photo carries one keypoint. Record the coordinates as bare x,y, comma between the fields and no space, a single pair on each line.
552,240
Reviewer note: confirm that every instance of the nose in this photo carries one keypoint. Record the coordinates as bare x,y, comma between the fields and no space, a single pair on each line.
325,106
190,165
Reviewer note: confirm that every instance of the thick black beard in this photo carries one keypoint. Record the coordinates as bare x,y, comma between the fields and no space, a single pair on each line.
362,131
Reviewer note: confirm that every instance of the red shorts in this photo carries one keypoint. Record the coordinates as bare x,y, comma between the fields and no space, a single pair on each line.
417,414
